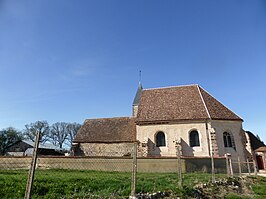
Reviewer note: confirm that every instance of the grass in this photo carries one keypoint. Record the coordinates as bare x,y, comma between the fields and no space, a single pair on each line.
259,187
94,184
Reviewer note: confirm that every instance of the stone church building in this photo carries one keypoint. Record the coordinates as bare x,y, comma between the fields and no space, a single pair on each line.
162,117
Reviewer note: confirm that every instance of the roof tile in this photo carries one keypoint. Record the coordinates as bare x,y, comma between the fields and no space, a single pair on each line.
216,109
120,129
181,103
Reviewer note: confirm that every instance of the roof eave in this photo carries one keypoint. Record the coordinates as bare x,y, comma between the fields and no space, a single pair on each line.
104,142
240,119
184,120
169,121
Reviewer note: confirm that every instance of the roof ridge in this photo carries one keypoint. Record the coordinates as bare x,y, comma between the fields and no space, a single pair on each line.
124,117
203,101
171,87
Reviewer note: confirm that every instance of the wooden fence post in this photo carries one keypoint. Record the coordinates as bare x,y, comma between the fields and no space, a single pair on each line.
227,165
239,166
230,165
255,167
213,171
134,170
28,190
248,167
179,163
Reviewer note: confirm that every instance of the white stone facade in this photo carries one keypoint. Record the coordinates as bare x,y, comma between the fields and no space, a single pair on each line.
173,132
235,129
180,130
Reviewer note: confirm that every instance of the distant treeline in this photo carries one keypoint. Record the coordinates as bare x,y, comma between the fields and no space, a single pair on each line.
60,134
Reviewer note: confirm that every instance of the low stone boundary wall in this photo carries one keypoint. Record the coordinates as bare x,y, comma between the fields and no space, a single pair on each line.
160,165
8,162
204,165
121,164
82,163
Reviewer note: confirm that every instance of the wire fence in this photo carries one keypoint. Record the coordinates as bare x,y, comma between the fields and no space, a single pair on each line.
239,167
110,176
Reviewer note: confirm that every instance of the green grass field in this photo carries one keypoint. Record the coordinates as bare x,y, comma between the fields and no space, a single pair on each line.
95,184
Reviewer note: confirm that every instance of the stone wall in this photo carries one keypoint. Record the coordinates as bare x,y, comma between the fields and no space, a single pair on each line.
234,128
210,137
204,165
174,131
104,149
7,162
124,164
248,151
150,165
135,110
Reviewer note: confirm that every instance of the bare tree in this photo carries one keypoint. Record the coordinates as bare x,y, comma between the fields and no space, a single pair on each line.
32,128
58,133
72,131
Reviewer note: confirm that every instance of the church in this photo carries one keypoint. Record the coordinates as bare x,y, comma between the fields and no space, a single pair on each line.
202,125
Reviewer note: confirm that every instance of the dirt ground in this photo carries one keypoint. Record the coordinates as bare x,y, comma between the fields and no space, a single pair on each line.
262,173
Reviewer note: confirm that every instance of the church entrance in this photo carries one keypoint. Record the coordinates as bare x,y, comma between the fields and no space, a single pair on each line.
260,162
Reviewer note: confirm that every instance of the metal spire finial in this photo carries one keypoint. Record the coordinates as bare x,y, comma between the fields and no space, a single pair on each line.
139,76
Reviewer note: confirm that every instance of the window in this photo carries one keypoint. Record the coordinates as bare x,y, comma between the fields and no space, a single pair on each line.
160,139
228,141
194,138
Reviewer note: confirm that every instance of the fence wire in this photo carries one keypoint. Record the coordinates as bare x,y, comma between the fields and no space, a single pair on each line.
109,176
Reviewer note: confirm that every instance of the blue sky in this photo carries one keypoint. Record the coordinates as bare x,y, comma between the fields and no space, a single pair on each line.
68,60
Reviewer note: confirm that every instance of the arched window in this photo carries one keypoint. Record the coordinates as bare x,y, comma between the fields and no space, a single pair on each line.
228,140
194,138
160,139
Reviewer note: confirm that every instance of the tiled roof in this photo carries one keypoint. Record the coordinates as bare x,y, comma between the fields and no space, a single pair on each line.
261,149
255,142
120,129
216,109
181,103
